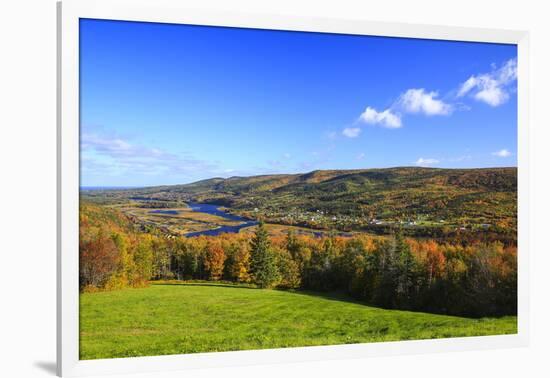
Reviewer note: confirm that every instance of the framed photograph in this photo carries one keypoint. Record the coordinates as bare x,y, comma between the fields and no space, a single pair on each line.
256,188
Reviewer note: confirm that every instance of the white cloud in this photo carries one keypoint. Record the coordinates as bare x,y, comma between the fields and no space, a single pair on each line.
108,155
420,101
412,101
493,96
423,162
493,87
502,153
351,132
360,156
287,155
467,86
386,118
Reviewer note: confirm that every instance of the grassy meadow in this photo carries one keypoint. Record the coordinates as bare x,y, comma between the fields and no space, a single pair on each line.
181,317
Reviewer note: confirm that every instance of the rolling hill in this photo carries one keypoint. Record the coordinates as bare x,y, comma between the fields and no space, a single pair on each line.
354,199
179,317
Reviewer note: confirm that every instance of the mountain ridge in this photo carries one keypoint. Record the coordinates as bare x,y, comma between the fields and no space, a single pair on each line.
354,199
313,176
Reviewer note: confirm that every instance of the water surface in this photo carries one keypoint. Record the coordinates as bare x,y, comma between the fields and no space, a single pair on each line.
168,212
213,209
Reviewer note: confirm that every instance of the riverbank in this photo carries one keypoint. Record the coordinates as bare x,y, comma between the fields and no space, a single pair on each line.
194,219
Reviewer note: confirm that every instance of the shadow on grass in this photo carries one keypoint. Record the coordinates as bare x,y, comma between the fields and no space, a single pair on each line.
344,297
330,295
337,296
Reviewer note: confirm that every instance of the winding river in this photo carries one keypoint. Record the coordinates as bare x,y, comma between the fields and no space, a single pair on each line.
214,210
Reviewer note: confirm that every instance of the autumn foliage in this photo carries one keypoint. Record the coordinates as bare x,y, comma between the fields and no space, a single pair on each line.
214,258
474,279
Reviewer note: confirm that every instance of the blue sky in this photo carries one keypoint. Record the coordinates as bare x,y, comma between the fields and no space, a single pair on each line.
171,104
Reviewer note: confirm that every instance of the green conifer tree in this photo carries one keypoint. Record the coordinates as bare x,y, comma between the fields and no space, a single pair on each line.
263,262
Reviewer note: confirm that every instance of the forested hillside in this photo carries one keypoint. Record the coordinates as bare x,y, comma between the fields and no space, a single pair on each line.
427,201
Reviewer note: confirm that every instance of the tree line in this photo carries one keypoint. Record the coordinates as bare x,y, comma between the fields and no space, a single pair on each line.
478,279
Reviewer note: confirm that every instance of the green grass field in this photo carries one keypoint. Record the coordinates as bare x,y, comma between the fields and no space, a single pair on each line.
205,317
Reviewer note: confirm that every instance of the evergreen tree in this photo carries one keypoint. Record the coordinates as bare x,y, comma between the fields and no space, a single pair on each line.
385,285
263,262
405,272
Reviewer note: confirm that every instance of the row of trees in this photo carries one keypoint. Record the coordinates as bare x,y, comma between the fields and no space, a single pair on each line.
391,272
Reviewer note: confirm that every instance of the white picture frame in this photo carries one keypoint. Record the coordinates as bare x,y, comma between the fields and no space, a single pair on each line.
172,11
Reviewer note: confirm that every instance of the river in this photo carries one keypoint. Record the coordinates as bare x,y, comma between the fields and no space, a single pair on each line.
215,210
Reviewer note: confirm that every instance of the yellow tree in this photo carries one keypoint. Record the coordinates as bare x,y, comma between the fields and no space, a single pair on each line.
214,259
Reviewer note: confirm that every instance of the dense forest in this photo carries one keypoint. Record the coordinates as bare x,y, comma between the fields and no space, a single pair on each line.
478,278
